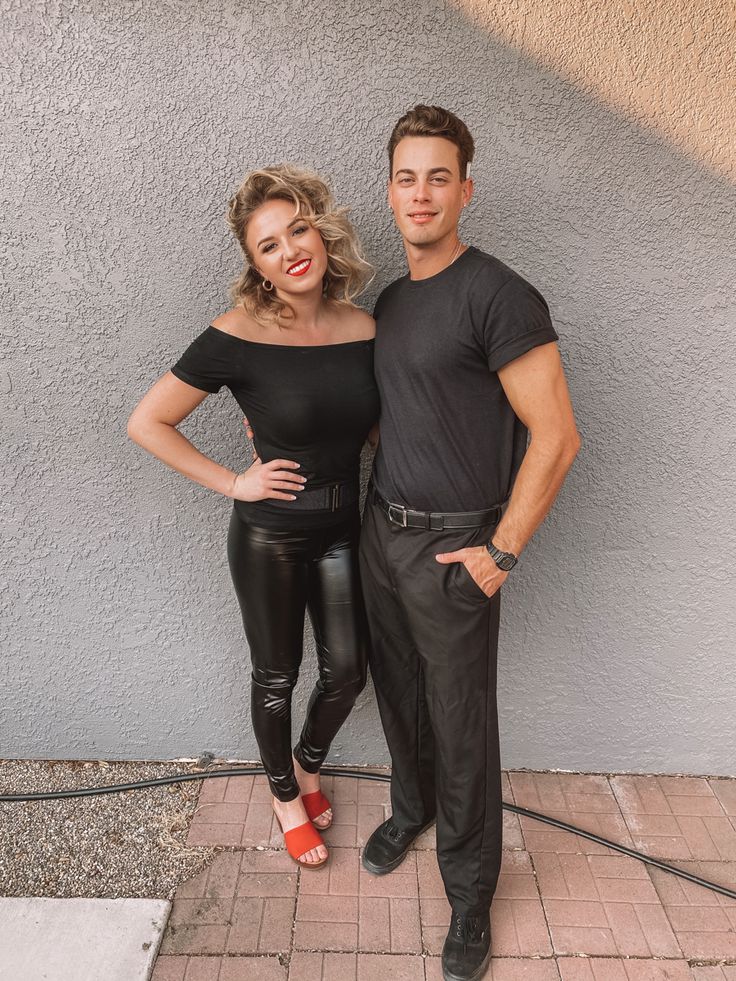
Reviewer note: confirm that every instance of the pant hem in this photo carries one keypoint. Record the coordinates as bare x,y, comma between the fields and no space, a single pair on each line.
300,760
471,910
285,800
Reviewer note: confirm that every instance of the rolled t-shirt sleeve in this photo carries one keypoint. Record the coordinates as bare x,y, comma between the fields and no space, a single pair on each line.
205,364
517,320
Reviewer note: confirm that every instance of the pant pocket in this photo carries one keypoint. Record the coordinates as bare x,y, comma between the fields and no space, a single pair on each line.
466,585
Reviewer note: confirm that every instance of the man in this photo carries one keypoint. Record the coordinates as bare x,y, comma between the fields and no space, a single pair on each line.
467,367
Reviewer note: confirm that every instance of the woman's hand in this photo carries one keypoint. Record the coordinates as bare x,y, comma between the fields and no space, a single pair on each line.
373,436
268,481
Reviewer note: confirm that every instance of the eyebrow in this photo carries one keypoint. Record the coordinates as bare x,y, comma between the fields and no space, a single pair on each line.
292,222
434,170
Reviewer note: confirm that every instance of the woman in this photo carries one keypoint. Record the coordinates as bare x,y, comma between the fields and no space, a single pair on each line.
297,355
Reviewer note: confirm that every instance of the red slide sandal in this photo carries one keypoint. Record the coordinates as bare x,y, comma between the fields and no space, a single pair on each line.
302,839
315,804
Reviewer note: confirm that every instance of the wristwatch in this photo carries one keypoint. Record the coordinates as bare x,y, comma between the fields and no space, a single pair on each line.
504,560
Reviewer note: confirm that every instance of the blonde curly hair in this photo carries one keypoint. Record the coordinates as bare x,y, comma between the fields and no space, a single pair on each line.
348,272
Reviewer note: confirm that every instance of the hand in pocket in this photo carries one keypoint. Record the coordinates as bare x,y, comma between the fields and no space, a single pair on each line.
479,566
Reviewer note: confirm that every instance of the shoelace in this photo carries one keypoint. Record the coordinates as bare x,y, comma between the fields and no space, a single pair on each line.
393,832
467,929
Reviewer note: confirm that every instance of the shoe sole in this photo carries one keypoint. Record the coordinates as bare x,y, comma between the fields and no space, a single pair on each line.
476,976
385,869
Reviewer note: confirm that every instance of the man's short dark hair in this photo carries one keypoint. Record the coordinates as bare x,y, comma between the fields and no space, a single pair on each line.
434,121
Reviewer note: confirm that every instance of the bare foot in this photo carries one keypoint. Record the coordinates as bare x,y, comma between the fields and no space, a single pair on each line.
291,814
308,783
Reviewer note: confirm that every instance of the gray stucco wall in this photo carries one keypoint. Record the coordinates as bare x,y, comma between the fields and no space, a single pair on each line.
127,127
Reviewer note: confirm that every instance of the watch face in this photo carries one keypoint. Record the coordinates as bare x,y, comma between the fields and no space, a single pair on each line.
504,560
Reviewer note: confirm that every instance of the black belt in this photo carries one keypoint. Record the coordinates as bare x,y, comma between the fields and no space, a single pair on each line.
332,497
435,520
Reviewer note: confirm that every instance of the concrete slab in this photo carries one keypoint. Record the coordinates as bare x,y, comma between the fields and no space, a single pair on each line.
80,939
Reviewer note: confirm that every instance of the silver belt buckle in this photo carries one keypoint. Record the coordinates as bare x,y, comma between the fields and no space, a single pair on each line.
402,511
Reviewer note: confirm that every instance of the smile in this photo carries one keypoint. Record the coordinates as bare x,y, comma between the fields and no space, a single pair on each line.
422,216
299,268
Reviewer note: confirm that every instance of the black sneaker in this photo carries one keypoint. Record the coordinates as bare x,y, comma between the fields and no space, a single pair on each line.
467,949
387,847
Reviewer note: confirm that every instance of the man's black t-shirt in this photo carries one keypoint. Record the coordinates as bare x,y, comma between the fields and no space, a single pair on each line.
449,439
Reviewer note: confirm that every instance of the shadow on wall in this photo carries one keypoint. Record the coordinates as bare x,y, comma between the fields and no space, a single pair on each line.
119,249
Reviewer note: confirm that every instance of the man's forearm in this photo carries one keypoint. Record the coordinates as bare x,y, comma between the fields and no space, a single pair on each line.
542,473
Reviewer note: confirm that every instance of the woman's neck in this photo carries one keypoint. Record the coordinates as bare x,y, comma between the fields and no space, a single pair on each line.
311,312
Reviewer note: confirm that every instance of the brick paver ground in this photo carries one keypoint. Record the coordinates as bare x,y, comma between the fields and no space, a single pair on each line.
566,909
677,817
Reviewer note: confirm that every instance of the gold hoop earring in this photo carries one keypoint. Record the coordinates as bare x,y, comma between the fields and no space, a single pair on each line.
269,287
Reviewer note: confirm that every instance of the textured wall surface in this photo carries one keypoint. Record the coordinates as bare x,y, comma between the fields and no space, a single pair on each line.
667,64
126,128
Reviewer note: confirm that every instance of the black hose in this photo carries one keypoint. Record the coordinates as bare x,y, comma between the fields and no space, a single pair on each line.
363,775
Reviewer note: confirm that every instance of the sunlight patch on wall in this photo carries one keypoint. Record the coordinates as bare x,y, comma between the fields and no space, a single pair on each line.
667,64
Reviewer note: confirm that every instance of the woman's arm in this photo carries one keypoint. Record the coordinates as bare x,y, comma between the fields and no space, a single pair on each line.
153,423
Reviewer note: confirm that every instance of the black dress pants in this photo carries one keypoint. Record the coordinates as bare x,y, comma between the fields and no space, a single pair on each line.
434,639
277,575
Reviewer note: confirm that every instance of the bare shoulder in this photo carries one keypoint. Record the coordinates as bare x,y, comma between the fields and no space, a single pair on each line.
236,321
357,325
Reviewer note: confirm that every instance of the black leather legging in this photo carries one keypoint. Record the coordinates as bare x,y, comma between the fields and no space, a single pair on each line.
277,574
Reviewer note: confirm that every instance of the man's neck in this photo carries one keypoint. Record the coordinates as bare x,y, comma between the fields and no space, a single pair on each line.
428,260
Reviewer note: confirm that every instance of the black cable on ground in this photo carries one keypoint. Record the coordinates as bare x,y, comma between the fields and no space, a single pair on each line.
364,775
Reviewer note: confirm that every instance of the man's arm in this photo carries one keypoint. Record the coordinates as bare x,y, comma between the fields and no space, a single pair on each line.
535,386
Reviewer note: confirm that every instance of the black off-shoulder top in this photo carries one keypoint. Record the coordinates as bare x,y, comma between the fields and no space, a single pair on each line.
311,404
